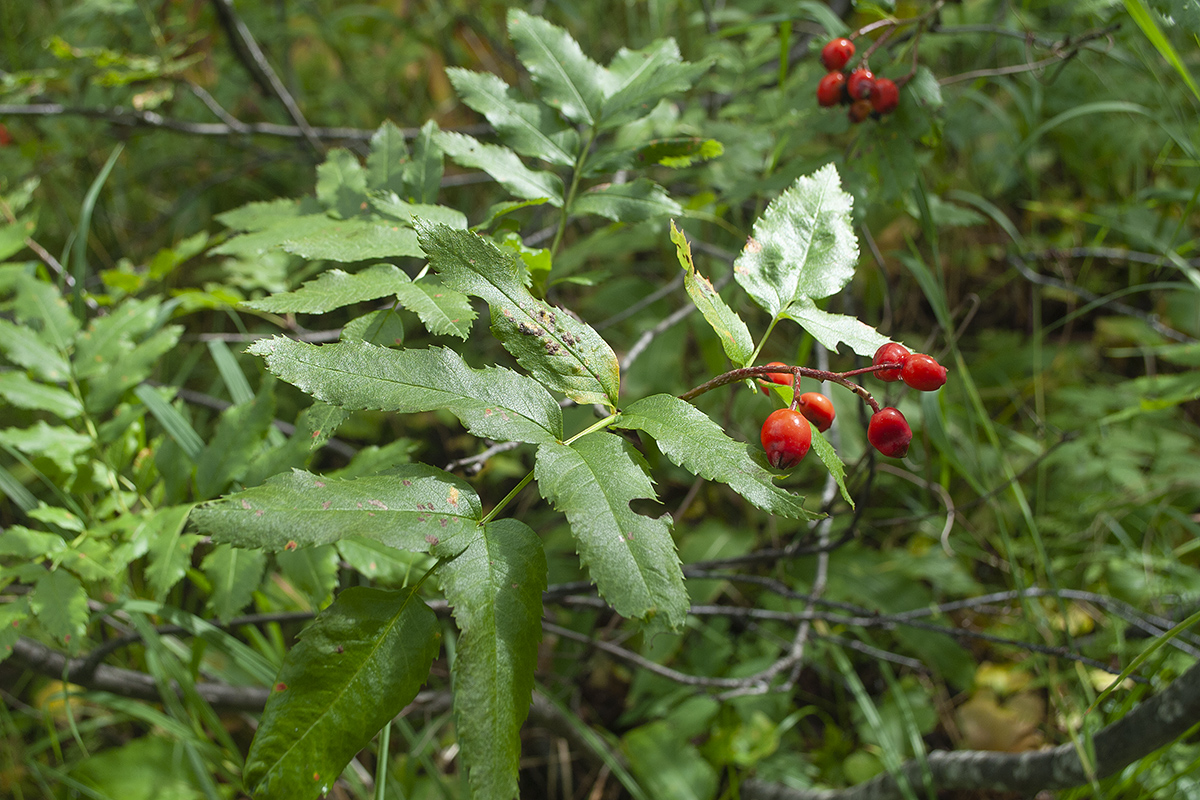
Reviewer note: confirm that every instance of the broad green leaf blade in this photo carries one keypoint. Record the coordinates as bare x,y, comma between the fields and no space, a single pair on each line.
679,152
733,333
413,507
643,77
106,388
12,624
531,129
334,289
58,443
259,216
311,571
354,240
388,159
323,419
562,353
630,557
833,329
636,201
829,457
495,592
39,305
170,554
441,309
25,348
504,165
493,402
693,441
342,183
390,204
18,390
235,574
109,337
423,175
239,435
803,244
360,662
570,81
60,605
383,327
260,242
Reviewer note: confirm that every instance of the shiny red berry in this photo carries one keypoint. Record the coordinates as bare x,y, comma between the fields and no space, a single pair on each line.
782,378
837,54
859,111
786,436
923,372
817,409
890,353
831,89
885,96
859,84
888,432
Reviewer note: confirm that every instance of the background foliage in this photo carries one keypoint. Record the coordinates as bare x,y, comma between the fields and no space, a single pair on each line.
1027,215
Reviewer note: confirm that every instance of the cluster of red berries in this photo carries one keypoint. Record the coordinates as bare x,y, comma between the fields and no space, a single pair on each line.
787,437
859,88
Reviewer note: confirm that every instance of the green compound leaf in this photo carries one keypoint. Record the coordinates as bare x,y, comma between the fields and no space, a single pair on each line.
353,240
696,443
643,77
58,443
493,402
235,574
413,507
260,215
109,337
560,352
359,663
832,462
733,333
38,304
390,205
630,557
441,309
25,348
387,160
569,80
20,391
341,183
803,245
504,165
495,591
636,201
833,329
531,129
334,289
59,602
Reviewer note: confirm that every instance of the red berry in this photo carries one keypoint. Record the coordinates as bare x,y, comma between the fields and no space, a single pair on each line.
888,432
837,54
890,353
859,84
782,378
786,436
831,89
885,96
859,111
923,372
817,409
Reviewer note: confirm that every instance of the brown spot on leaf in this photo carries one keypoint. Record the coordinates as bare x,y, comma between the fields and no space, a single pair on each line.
281,686
431,539
291,545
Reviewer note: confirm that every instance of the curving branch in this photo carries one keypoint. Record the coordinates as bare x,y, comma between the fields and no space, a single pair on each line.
1156,722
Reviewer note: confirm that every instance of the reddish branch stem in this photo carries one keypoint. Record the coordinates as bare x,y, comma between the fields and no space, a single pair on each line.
840,378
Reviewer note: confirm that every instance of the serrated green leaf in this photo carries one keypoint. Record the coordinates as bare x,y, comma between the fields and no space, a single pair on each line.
334,289
412,507
259,216
109,337
562,353
342,183
106,388
636,201
531,129
730,330
170,553
495,593
39,305
504,165
423,174
500,209
12,621
693,441
569,80
382,327
58,517
20,542
322,421
260,242
60,605
58,443
388,159
235,574
14,234
680,152
355,667
832,462
25,348
389,204
631,558
312,571
803,244
493,402
18,390
833,329
353,240
642,78
238,436
442,310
